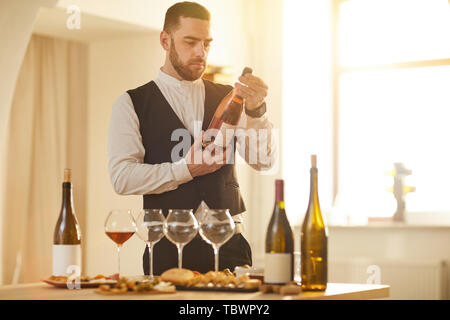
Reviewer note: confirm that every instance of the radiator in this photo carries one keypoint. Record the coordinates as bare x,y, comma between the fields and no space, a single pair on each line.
408,280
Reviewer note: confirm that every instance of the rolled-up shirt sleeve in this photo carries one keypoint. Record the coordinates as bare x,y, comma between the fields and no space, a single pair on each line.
128,173
257,142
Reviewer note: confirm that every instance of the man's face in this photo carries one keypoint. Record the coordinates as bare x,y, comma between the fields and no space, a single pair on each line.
189,48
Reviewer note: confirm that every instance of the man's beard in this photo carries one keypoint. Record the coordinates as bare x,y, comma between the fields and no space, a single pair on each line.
183,69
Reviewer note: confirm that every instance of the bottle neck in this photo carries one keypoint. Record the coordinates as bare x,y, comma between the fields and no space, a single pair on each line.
67,196
279,195
314,194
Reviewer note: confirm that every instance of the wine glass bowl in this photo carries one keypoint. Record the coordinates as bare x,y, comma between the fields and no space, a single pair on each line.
119,237
150,225
119,227
216,228
180,227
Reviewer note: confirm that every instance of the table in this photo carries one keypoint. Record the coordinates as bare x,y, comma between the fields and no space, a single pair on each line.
335,291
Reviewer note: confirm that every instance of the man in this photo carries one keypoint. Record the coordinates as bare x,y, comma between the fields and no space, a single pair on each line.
141,142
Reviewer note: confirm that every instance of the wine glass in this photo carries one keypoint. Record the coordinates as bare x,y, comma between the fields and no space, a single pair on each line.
150,224
180,227
120,226
216,228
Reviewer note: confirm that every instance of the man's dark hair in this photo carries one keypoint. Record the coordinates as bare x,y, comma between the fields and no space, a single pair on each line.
184,9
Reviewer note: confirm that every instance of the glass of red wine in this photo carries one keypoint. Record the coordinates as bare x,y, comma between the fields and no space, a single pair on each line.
120,226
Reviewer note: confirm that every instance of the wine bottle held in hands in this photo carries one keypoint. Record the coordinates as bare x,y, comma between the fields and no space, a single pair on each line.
279,256
225,119
67,235
314,240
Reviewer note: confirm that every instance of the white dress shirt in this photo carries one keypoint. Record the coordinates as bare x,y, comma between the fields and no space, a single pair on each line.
129,174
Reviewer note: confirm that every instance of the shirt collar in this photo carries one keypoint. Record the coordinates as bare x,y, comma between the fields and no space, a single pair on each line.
171,81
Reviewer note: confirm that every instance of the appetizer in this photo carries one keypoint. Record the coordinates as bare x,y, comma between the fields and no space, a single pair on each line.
84,279
211,279
125,285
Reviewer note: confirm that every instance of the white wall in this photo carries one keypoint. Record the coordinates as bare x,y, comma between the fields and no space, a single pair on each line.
406,245
16,24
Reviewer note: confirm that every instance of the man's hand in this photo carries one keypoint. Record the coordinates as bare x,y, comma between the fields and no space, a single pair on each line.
254,90
201,162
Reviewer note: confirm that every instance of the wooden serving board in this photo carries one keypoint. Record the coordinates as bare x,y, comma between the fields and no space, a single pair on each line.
214,288
83,285
128,293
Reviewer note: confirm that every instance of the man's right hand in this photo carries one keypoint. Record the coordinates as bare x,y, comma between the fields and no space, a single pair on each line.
201,162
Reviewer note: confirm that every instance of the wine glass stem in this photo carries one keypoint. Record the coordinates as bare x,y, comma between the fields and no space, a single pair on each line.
180,255
118,259
150,251
216,258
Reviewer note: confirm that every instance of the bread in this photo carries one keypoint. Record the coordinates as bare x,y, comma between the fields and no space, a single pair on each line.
58,278
177,276
188,278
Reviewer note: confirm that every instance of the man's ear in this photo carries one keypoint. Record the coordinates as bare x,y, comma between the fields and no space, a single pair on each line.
164,39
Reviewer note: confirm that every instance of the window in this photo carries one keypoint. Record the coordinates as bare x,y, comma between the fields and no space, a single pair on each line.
393,102
387,100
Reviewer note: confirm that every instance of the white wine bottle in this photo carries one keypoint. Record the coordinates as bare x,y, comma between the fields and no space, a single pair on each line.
279,257
67,235
314,240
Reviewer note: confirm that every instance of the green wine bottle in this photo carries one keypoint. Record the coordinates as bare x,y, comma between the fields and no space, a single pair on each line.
314,240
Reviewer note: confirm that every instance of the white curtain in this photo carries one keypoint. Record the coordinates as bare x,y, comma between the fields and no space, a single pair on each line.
47,134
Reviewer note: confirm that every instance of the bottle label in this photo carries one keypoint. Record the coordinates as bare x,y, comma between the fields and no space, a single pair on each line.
225,134
277,267
66,259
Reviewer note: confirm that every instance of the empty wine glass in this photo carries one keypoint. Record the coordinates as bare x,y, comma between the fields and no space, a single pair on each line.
120,226
150,224
180,227
216,228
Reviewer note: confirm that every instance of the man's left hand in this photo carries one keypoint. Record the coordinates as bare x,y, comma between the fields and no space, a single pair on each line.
253,90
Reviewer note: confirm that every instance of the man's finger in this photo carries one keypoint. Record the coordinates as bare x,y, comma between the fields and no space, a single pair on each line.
250,93
243,91
251,80
208,158
210,148
218,159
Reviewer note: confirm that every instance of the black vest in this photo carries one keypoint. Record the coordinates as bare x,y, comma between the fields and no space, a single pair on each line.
157,121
